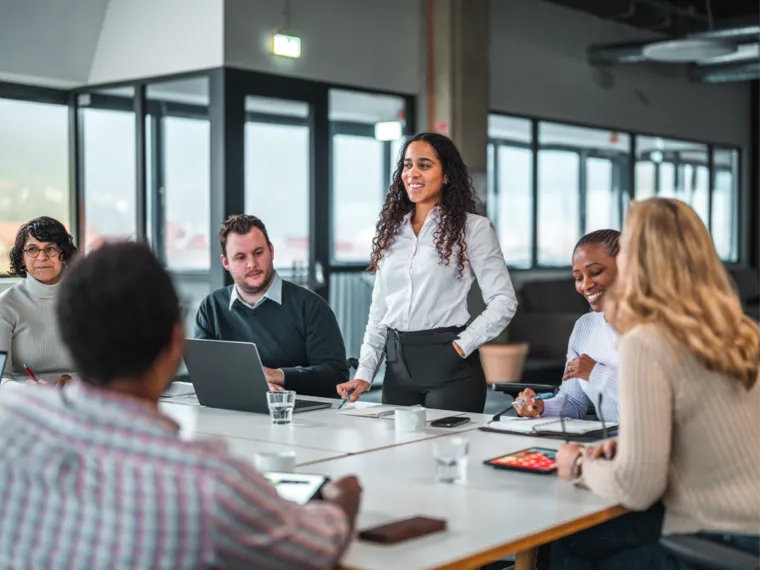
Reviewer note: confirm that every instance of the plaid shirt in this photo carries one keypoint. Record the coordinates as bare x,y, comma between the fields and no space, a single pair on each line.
92,479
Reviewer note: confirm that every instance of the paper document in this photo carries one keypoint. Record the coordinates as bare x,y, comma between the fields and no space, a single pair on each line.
368,411
529,426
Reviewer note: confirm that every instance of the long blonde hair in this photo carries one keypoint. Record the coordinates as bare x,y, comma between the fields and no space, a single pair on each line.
671,276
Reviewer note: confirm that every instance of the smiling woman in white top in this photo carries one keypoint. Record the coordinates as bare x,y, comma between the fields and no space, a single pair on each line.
28,322
429,248
590,377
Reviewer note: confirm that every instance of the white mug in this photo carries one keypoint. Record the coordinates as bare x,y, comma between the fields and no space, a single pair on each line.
276,461
410,419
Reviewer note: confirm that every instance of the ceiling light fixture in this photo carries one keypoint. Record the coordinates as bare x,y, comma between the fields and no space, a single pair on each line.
687,50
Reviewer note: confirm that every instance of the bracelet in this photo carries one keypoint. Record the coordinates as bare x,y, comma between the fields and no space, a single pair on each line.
576,464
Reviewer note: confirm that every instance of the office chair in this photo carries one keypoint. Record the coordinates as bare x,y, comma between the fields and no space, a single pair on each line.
708,555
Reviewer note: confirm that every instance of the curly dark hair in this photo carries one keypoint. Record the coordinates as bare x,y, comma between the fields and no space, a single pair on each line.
43,229
458,199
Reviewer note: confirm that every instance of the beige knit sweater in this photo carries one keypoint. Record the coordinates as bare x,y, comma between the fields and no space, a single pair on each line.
687,435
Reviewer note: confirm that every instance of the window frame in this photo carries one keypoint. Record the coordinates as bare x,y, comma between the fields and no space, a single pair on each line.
52,96
623,177
225,86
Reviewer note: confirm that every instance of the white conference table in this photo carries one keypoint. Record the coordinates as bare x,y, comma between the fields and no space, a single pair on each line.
493,514
246,449
322,429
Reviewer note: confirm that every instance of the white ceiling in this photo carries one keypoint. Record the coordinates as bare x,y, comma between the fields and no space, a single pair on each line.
49,42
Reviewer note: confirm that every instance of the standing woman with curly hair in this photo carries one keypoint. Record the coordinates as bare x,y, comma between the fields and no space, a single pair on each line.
28,324
429,248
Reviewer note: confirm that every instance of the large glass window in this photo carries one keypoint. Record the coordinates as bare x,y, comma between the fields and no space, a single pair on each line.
510,196
180,191
725,208
34,167
109,166
602,201
277,167
558,206
673,169
582,185
367,134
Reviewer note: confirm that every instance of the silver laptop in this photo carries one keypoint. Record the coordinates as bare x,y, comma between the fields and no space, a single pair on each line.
229,375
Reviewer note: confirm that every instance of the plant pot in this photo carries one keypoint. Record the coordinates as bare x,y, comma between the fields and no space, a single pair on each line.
503,362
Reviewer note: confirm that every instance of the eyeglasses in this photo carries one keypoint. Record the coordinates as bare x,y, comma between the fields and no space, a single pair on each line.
33,251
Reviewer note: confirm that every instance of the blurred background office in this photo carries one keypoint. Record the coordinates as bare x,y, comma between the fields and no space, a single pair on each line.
155,119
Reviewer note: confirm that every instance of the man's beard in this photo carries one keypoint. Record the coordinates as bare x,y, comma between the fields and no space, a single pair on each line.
245,288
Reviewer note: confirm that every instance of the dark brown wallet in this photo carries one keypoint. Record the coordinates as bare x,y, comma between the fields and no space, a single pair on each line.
399,531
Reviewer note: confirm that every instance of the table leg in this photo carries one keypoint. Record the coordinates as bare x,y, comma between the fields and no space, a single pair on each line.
526,560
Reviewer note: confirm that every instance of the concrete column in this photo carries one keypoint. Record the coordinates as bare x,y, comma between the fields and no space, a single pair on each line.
455,99
457,86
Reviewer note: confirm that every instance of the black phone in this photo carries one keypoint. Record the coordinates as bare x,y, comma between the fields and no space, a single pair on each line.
450,421
532,460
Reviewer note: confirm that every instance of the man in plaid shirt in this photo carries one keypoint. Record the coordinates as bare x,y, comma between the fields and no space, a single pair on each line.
94,476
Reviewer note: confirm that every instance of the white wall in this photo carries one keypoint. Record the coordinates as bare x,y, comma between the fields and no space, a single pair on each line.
142,38
539,67
49,43
367,43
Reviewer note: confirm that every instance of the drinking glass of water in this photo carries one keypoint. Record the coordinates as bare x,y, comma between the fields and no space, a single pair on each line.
450,454
281,406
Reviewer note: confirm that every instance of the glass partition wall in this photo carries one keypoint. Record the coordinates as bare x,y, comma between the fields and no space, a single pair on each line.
167,159
549,183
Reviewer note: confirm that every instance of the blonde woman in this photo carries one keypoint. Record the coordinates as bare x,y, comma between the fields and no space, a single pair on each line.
689,401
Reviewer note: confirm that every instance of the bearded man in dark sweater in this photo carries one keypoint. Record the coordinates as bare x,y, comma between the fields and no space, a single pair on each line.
294,329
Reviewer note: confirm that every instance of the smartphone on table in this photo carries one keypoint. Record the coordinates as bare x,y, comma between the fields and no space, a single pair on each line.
450,421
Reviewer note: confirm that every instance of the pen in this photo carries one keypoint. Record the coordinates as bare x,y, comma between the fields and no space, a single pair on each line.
30,373
346,398
544,396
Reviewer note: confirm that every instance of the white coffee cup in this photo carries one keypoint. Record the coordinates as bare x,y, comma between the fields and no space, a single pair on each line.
410,419
277,461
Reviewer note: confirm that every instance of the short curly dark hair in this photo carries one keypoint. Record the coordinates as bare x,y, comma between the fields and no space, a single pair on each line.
117,309
43,229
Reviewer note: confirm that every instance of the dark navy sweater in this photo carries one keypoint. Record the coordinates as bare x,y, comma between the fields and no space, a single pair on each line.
301,336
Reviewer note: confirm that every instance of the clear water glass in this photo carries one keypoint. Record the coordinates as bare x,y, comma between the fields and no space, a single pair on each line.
281,406
450,455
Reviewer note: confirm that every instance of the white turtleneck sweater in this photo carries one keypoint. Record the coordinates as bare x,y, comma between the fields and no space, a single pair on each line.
29,332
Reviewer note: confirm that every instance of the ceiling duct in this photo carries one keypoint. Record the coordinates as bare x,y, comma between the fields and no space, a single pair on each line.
725,72
728,43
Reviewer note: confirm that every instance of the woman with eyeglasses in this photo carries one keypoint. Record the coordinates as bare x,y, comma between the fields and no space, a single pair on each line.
28,327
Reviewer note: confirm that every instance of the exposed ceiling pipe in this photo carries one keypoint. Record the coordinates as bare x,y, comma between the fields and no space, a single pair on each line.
673,10
724,73
630,13
632,52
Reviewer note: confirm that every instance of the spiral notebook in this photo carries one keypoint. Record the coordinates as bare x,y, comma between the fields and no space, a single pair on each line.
549,426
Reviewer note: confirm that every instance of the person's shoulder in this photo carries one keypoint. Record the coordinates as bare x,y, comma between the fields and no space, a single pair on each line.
646,336
291,292
592,319
13,292
478,222
216,463
219,297
11,296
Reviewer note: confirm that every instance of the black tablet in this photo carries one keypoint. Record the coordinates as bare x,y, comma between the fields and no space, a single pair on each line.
533,460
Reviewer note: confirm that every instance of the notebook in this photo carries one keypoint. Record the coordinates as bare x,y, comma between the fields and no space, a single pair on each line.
368,411
532,426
